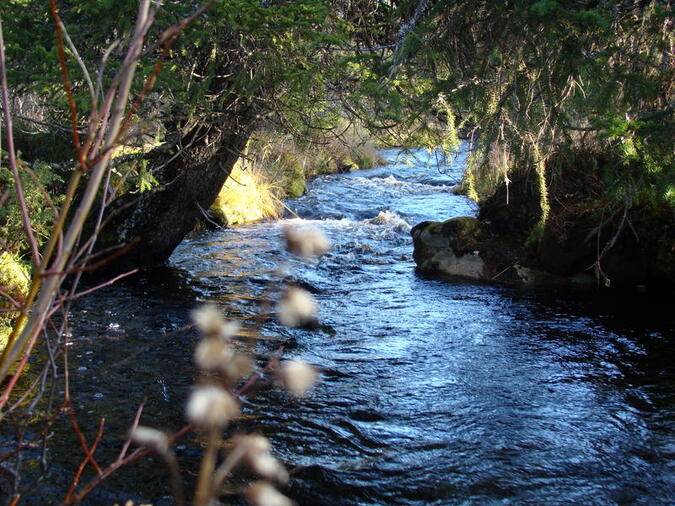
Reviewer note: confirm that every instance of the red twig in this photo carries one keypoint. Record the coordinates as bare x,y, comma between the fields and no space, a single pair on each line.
120,462
103,285
123,460
83,443
15,500
67,86
105,370
89,458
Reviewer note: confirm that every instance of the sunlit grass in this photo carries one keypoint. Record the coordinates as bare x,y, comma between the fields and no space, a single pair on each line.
246,197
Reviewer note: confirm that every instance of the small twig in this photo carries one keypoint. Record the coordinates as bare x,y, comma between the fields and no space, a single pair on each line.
85,72
89,453
89,458
134,424
13,165
137,454
103,285
67,85
105,370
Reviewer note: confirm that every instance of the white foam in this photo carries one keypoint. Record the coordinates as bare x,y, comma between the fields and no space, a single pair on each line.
391,218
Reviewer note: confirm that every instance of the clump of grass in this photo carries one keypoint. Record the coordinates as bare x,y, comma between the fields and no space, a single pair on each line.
246,196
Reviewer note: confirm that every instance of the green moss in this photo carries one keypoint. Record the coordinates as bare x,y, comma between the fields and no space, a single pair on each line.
15,281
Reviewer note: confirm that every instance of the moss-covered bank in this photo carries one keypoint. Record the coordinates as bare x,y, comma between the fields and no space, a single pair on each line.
14,283
587,235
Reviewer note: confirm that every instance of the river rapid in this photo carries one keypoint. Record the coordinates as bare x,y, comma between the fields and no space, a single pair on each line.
431,392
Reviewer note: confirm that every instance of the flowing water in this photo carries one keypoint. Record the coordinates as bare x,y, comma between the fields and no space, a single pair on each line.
431,392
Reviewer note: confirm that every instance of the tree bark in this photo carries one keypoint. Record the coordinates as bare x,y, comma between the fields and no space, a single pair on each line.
153,223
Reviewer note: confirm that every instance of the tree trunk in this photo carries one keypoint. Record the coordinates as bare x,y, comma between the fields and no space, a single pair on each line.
153,223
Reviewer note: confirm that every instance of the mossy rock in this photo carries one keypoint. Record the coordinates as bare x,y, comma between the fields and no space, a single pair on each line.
449,248
15,281
295,180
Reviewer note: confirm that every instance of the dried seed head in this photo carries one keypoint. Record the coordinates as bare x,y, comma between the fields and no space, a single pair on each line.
239,366
268,467
152,438
256,453
212,354
296,307
307,242
297,376
211,406
211,323
253,443
262,493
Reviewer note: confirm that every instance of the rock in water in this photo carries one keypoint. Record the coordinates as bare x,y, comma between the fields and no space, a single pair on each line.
449,248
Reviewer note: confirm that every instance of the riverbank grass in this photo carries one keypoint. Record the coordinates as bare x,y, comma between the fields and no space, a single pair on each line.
274,167
247,196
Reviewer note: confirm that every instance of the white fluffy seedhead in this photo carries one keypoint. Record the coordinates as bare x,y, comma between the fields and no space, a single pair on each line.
306,242
256,452
210,322
210,406
151,438
213,354
297,307
297,376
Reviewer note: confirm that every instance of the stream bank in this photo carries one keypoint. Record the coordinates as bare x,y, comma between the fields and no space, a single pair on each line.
586,240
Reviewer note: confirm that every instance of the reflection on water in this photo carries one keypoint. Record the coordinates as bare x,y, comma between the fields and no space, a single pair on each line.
431,392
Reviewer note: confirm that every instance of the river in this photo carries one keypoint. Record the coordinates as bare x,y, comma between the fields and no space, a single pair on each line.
431,392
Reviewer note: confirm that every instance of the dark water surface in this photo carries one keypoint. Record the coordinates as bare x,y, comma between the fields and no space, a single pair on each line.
432,392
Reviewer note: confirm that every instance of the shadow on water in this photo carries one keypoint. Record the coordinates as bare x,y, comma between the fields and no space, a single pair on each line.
431,393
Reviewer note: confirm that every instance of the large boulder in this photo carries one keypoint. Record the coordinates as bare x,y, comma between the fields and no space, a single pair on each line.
449,248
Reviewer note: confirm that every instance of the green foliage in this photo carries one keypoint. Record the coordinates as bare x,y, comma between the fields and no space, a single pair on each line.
36,190
534,79
541,79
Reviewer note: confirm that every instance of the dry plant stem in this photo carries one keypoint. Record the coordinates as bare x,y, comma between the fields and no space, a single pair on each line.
224,470
205,490
18,187
176,479
88,458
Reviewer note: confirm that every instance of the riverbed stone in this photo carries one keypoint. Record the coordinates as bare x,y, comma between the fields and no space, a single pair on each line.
449,248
